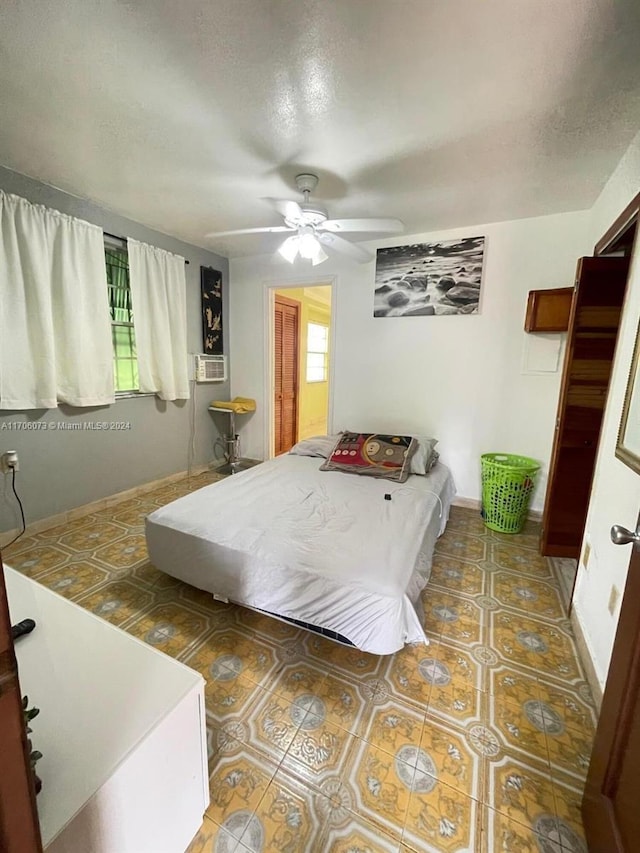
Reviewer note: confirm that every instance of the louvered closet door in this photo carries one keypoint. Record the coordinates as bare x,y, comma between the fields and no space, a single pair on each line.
591,340
286,333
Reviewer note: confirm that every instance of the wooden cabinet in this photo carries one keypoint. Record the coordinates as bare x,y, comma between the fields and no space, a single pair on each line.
548,310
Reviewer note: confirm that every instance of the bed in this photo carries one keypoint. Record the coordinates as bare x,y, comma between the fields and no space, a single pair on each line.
325,548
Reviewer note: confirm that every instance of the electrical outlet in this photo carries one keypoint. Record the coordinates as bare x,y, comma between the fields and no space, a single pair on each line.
586,554
9,461
614,595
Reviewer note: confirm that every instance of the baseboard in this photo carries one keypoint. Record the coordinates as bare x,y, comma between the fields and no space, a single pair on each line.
474,503
585,659
43,524
467,503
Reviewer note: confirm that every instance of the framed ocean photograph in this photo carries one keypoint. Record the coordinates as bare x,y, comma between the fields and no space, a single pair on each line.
428,279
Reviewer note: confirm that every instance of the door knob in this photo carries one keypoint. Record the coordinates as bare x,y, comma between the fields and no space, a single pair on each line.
621,536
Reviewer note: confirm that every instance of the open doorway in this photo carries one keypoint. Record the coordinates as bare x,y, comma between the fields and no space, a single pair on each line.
600,288
301,364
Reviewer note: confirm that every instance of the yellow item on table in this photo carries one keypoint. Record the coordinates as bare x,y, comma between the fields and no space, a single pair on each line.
239,405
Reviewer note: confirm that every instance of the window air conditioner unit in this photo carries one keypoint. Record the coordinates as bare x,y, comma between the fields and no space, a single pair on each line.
211,368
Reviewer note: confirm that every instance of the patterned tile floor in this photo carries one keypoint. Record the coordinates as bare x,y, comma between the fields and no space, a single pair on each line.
478,742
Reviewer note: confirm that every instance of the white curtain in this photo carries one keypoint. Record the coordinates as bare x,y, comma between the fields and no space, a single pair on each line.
158,298
55,327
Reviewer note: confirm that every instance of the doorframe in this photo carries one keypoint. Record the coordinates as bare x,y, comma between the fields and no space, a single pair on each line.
285,301
618,229
621,686
606,245
626,220
270,288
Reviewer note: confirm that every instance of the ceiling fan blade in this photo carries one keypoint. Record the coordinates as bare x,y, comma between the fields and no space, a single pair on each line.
339,244
379,226
291,210
267,230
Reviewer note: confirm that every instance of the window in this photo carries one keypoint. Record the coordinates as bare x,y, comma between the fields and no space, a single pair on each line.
125,365
317,352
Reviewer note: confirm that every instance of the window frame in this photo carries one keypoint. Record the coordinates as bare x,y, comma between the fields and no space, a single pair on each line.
116,246
324,353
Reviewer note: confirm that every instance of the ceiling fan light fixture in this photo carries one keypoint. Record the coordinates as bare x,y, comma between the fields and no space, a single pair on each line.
310,248
289,249
312,229
319,256
304,243
308,245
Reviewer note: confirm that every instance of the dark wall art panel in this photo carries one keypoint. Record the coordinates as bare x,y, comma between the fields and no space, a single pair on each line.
211,286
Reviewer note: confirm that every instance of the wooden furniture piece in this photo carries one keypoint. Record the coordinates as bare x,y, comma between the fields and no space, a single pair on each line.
121,729
591,340
548,310
286,355
19,830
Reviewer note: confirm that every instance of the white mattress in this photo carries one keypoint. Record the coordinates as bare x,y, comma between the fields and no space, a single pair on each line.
323,547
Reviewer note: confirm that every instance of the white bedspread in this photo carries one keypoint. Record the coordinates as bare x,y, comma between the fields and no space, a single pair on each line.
322,547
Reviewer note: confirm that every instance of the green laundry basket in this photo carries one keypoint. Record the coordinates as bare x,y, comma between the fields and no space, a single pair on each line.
507,484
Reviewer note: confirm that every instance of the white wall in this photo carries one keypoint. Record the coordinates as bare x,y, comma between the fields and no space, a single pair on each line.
458,378
615,497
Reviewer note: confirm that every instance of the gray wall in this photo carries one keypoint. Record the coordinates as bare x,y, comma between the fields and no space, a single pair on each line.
61,469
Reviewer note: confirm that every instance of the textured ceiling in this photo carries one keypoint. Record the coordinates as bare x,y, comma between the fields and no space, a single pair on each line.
190,116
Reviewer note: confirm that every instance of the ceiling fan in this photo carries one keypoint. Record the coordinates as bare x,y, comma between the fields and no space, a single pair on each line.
313,230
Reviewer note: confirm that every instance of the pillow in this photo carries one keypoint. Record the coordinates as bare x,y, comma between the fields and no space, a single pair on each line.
387,456
434,458
318,445
423,459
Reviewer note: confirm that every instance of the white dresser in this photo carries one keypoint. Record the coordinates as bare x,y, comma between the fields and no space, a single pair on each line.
121,728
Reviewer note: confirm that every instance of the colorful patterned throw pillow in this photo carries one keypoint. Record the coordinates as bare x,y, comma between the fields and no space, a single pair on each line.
387,456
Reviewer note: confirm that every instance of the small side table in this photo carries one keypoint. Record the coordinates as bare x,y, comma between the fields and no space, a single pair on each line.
231,440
